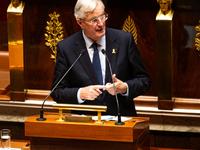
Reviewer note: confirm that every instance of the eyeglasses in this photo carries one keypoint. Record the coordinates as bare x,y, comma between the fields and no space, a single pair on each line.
102,18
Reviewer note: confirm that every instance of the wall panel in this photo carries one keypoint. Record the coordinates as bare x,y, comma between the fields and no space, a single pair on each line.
39,67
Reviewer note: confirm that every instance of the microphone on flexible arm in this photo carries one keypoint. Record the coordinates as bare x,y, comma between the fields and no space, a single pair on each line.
119,115
41,111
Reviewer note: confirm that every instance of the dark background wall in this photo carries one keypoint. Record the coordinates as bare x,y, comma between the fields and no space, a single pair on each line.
39,67
3,26
3,9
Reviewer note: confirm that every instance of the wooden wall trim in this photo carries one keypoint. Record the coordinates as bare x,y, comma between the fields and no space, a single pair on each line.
178,120
179,103
140,101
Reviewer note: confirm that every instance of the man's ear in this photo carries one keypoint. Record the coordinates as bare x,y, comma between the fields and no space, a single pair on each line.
80,23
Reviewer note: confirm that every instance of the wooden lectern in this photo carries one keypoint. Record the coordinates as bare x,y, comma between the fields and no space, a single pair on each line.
55,135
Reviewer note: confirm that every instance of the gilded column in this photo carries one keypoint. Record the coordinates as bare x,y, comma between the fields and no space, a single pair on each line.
16,51
164,54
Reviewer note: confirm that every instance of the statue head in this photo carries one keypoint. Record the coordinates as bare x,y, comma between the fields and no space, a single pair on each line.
165,6
16,3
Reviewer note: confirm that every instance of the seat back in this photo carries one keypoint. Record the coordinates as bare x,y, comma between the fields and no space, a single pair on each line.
4,61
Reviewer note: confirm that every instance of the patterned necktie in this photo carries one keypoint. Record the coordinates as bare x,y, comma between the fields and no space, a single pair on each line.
97,64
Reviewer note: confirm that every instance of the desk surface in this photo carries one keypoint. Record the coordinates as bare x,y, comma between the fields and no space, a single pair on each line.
19,144
22,144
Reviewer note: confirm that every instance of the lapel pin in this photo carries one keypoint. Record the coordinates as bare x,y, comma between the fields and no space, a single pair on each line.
114,51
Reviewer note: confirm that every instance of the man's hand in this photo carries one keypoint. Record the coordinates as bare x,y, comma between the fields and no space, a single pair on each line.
91,92
120,86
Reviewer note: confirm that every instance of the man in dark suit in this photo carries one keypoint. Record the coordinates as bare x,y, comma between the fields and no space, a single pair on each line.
83,85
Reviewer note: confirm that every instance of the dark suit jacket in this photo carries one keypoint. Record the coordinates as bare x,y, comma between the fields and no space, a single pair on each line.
126,64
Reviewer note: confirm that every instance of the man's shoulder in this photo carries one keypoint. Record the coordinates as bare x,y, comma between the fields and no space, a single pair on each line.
117,32
71,38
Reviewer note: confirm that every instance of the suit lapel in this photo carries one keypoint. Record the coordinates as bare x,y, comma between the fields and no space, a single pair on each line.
85,59
111,52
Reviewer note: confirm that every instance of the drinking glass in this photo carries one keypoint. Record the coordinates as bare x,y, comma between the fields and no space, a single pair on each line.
5,139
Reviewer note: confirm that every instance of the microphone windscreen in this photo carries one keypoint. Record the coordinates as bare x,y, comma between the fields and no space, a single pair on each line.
103,51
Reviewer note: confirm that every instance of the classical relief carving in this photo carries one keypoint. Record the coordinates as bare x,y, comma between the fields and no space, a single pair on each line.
129,26
54,34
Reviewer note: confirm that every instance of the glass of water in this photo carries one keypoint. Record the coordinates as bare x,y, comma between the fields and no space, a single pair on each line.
5,139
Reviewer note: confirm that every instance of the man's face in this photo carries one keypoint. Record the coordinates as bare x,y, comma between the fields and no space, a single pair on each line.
96,30
164,6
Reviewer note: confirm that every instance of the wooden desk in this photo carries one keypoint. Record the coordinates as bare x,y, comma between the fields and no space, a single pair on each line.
50,134
19,144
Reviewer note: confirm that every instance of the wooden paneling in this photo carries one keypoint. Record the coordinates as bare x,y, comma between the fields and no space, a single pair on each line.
52,134
186,58
39,67
3,26
3,9
3,36
106,131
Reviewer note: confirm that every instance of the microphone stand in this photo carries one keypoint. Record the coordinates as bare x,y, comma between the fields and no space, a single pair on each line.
41,111
118,115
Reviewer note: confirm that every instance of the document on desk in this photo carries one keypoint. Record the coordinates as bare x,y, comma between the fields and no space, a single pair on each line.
12,148
111,118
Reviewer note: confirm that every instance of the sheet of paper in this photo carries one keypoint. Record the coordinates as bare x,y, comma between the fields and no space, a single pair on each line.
111,118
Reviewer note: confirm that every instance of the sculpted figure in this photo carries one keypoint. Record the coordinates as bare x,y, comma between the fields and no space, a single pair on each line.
165,6
16,3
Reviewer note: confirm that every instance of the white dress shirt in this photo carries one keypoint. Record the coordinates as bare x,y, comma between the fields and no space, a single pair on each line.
101,44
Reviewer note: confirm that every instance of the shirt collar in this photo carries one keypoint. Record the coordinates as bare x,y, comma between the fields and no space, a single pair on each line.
89,42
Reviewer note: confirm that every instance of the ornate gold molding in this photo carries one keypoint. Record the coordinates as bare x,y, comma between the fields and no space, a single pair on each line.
197,39
54,34
129,26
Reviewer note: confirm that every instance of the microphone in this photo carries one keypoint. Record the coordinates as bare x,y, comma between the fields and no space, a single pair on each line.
119,115
41,111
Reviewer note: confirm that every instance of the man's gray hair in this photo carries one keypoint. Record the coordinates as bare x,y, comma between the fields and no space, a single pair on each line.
85,6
